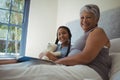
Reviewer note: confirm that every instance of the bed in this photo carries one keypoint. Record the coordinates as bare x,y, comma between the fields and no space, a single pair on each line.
30,70
115,55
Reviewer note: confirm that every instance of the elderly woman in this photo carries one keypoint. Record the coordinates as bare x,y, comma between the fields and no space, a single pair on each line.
92,48
88,58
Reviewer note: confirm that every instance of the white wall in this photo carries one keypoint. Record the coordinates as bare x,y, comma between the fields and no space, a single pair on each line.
46,15
41,26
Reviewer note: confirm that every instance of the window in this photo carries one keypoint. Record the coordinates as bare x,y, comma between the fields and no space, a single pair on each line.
13,26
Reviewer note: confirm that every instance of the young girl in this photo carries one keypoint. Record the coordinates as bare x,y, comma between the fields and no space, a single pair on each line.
63,42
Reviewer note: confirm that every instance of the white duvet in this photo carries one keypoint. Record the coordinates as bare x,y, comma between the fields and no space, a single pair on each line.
48,72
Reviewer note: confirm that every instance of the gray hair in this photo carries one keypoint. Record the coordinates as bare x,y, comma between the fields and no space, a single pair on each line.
91,8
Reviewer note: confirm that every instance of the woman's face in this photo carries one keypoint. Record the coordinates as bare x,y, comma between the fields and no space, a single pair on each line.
63,35
88,21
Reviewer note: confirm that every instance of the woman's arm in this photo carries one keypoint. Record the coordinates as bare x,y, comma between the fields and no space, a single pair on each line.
95,42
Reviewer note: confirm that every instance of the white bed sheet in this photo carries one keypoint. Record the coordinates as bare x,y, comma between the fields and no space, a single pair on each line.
49,72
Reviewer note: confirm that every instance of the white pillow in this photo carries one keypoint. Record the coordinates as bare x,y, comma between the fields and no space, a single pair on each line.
115,45
116,76
115,68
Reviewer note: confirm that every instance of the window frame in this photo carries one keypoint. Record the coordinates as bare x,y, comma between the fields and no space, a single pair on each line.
24,27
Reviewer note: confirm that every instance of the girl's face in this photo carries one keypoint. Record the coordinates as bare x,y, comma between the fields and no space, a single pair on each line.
88,20
63,35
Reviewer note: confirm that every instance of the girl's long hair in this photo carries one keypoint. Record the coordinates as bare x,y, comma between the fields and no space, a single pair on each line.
70,35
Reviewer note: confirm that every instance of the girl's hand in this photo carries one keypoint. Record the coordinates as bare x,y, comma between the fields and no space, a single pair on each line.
51,56
41,55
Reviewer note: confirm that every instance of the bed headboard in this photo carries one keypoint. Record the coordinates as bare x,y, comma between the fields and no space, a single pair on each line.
110,22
